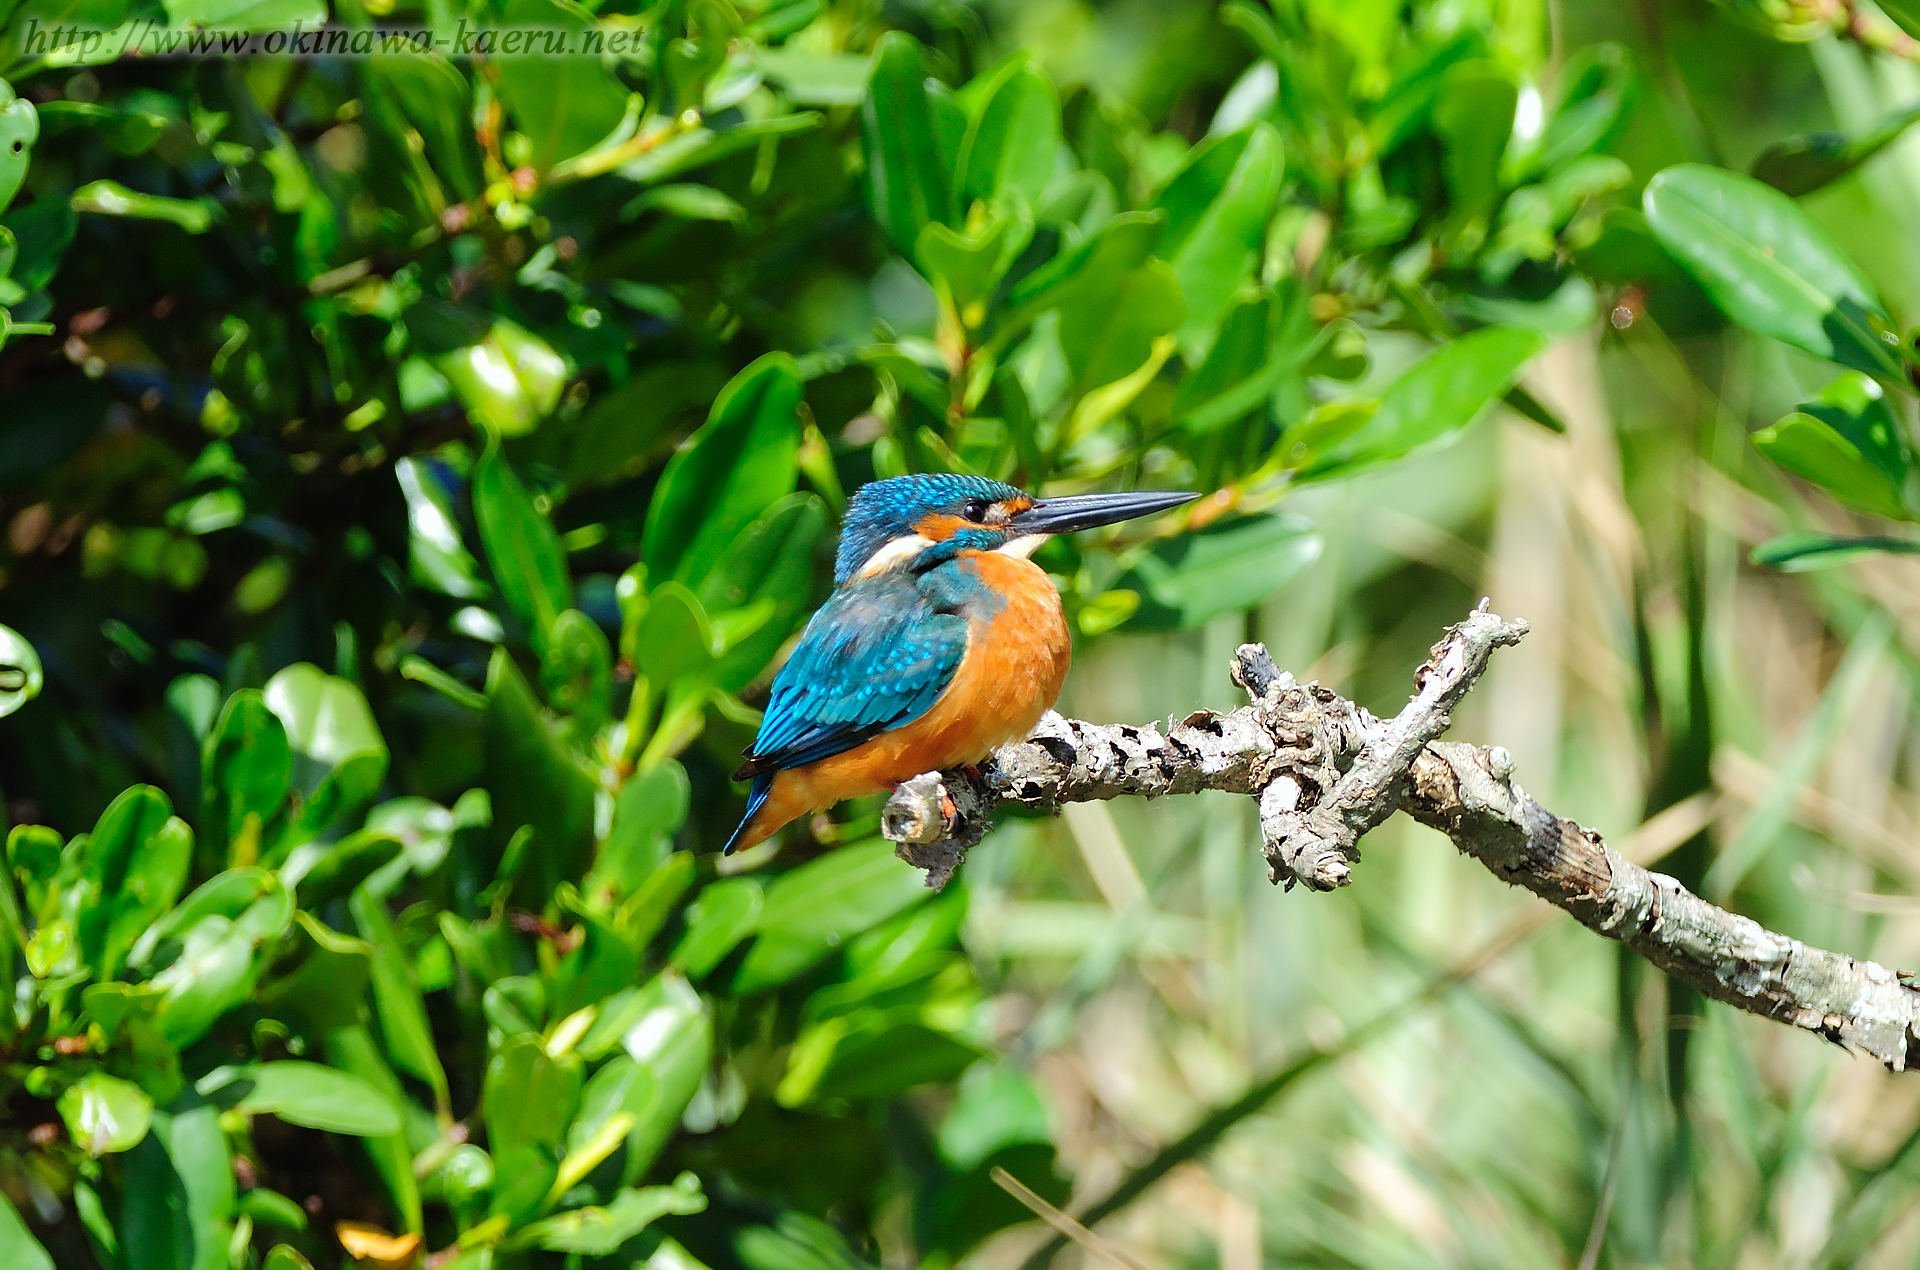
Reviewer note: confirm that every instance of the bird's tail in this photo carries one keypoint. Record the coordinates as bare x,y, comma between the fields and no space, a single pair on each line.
756,799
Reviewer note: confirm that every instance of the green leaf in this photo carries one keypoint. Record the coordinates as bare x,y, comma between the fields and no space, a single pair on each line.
576,673
722,916
1432,401
1217,212
105,1114
674,639
396,996
215,972
1013,137
1473,115
998,1105
651,806
666,1029
1800,165
1803,552
20,674
1849,443
110,198
742,461
1767,266
631,428
1232,564
1109,325
19,128
528,563
136,862
42,230
281,1256
812,78
246,773
327,985
309,1094
967,267
535,781
351,1050
909,179
509,379
433,97
247,15
565,105
814,909
772,560
595,1231
887,1061
326,718
529,1097
435,553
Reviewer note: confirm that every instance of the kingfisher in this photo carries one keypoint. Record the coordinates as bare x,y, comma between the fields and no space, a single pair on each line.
941,641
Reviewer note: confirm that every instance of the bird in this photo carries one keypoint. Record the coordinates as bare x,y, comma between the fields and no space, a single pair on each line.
940,641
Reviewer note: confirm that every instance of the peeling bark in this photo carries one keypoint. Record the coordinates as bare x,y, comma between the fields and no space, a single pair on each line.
1324,771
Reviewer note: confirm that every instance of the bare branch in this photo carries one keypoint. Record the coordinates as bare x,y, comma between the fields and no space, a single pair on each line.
1324,772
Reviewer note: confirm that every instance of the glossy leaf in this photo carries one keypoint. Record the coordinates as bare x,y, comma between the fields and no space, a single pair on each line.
326,718
1473,114
1803,552
909,178
564,104
1108,327
535,781
576,672
522,547
814,909
436,554
742,461
19,128
650,807
771,561
529,1098
110,198
396,997
1849,442
1800,165
105,1114
1232,564
1432,401
1217,211
310,1094
508,378
1012,138
1767,266
722,916
245,775
596,1231
20,673
665,1028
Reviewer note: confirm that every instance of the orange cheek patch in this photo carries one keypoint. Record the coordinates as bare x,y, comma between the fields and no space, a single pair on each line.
940,526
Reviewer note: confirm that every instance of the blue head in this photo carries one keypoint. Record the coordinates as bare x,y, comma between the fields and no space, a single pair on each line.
915,522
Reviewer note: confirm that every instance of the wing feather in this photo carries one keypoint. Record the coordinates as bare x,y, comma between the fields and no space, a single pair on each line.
875,657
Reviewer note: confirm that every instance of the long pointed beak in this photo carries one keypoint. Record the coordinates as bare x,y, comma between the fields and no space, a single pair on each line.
1088,511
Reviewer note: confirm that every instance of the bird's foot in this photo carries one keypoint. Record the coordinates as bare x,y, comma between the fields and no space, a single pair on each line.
949,812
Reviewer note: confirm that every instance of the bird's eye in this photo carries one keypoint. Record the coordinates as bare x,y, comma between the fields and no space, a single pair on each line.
975,509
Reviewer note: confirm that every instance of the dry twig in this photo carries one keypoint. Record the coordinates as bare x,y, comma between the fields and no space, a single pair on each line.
1325,771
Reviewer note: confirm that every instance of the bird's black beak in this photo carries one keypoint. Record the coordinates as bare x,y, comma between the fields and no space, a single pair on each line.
1089,511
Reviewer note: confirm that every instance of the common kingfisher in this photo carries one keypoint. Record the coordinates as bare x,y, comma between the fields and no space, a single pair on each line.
941,641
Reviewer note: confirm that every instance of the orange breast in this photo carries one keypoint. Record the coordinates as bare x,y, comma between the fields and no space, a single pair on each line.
1015,666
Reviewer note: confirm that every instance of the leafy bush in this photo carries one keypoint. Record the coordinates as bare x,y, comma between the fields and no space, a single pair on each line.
436,453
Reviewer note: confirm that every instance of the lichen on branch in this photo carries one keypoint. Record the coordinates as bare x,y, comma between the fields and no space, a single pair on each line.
1324,771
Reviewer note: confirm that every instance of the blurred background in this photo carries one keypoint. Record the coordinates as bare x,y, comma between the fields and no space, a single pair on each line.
504,410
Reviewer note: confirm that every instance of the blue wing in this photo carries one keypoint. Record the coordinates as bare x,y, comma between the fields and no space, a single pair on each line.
875,657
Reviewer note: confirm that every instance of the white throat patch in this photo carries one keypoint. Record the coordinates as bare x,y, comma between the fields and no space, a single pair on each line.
1023,547
896,553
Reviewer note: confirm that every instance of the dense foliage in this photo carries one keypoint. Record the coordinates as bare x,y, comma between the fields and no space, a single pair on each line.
413,467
